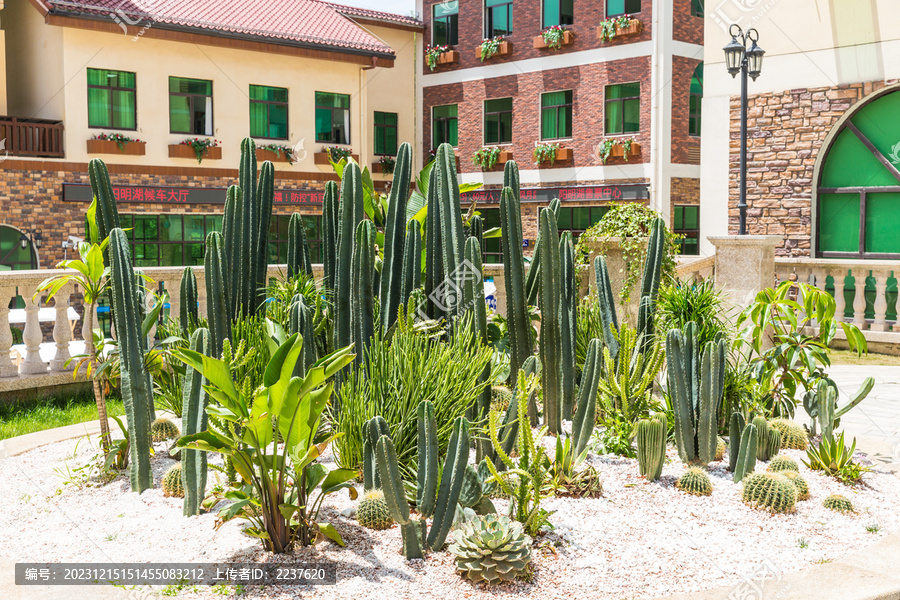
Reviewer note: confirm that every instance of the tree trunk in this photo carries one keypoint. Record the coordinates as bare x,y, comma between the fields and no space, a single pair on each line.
101,406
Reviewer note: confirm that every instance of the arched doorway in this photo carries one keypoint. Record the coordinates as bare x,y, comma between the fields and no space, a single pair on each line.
857,182
17,251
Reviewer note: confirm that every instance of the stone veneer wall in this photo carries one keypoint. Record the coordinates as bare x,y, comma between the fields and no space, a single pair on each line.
786,131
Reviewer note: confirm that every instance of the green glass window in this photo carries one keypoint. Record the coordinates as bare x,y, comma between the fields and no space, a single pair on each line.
556,115
558,12
278,237
577,219
385,134
332,118
498,121
444,125
111,99
695,101
445,24
623,108
615,8
13,257
492,248
169,240
498,18
190,106
697,7
268,112
686,222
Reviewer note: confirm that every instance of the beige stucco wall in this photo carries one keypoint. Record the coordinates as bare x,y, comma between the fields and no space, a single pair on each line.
33,83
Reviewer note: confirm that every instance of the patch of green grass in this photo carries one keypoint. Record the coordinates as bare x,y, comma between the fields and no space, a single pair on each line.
48,413
873,528
845,357
803,543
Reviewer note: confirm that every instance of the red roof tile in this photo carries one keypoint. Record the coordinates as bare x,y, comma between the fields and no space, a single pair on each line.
376,15
292,22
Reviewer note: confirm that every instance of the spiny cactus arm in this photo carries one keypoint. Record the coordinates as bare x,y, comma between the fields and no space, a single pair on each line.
194,420
476,229
856,398
567,317
351,214
245,261
735,428
518,319
533,278
678,373
216,294
551,327
493,419
362,295
653,266
427,471
712,382
435,269
746,461
329,235
412,261
265,199
452,478
107,214
511,177
585,414
395,498
374,429
450,218
296,246
231,246
188,306
395,239
605,295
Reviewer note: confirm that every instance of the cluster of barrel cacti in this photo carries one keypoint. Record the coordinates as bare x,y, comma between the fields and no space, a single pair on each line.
799,483
770,491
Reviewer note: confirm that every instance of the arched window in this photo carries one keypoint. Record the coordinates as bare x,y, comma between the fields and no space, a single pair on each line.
696,99
857,182
13,256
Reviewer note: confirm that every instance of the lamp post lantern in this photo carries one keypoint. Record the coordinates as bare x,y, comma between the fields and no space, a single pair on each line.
747,62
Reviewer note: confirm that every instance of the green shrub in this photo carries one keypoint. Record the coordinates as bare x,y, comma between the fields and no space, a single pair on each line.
681,302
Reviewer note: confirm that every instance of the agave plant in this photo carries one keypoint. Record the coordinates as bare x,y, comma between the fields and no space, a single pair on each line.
834,458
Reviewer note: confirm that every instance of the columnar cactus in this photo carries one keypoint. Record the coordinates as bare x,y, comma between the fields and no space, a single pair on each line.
695,481
231,245
330,233
135,386
476,229
551,322
107,215
412,261
473,300
568,304
189,298
300,320
217,298
768,439
783,463
351,214
770,491
651,445
586,406
362,295
395,239
298,260
607,304
446,227
194,420
697,388
838,503
742,447
533,278
517,318
372,432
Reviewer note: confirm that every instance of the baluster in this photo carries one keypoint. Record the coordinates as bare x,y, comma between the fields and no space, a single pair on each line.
859,298
7,368
62,331
839,302
881,305
32,336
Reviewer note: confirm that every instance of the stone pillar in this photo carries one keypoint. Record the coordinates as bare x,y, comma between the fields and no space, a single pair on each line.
859,297
745,265
612,249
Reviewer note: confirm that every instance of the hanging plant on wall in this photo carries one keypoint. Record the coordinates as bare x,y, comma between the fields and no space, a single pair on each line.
553,36
605,147
545,153
607,28
387,164
336,153
286,151
433,55
490,47
199,146
486,158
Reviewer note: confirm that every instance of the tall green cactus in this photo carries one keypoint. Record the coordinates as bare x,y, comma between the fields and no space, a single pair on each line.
551,323
395,239
586,407
135,385
744,449
231,245
194,420
736,426
300,320
473,300
330,233
189,298
656,247
768,439
265,200
298,260
452,240
107,215
217,300
532,366
362,298
568,304
826,396
351,214
696,385
434,258
412,261
476,229
533,279
395,497
511,178
517,318
651,445
607,303
372,432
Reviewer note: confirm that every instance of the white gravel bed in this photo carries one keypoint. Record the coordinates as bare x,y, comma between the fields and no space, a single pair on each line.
639,540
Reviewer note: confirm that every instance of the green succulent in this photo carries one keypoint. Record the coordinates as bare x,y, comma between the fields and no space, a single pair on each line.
793,437
171,483
783,463
585,483
770,491
501,396
163,429
696,482
838,503
720,449
491,548
372,512
799,483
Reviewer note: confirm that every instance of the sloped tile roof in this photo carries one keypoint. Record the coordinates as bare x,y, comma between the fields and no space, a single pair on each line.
377,15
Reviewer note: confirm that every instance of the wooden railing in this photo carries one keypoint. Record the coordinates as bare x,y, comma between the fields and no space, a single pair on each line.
31,137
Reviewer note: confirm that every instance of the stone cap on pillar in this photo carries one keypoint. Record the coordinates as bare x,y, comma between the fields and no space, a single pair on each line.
745,240
745,265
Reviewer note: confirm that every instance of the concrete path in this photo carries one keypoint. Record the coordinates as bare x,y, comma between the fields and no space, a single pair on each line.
877,416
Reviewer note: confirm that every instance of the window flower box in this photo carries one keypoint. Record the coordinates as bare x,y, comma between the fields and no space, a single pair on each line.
618,27
549,154
322,158
112,146
624,148
504,48
275,153
384,165
449,57
440,55
187,151
540,43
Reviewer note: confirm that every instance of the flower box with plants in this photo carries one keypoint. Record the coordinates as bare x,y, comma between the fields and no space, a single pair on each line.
275,153
618,148
115,143
197,148
495,46
384,165
332,154
440,55
617,27
550,153
554,38
489,157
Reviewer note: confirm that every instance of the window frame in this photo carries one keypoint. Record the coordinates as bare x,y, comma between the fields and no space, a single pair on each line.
455,29
607,101
434,121
625,11
334,109
545,24
376,127
570,105
698,114
591,208
111,89
192,98
486,114
693,234
269,104
489,18
698,8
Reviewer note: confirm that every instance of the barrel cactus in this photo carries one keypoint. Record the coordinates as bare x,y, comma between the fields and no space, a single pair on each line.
783,463
171,483
373,512
720,449
770,491
838,503
799,483
491,548
695,482
793,437
163,429
501,396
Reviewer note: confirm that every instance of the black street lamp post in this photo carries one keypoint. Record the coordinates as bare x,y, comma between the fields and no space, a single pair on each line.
746,61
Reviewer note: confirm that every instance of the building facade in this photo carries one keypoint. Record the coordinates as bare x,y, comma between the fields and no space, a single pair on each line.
823,128
147,91
617,102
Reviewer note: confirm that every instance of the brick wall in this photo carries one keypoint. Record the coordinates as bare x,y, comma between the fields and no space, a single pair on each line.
686,27
786,130
683,190
526,26
587,83
685,147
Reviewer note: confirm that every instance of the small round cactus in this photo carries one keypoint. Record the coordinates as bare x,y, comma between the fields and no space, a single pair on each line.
171,483
163,429
695,482
793,437
783,463
770,491
838,503
373,512
501,396
720,448
799,483
491,548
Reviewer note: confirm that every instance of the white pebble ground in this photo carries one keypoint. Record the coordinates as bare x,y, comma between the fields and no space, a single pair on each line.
639,540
